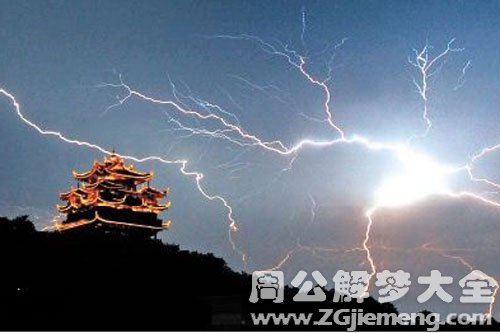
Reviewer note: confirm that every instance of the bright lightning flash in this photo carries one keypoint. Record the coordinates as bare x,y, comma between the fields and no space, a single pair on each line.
420,176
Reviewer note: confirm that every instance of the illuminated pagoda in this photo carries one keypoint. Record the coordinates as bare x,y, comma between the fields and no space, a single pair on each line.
113,196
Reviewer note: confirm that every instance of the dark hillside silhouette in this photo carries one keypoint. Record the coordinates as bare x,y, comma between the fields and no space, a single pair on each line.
105,281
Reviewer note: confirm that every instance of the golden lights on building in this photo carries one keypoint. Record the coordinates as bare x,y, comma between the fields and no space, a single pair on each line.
114,195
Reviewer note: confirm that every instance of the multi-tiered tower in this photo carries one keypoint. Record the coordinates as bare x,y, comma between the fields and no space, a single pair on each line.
113,196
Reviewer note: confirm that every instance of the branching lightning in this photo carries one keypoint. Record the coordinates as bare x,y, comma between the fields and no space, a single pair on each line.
445,253
421,177
461,78
428,67
181,163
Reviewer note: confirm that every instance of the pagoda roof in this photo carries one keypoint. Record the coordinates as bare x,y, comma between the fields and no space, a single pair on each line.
153,191
98,218
80,198
91,190
113,168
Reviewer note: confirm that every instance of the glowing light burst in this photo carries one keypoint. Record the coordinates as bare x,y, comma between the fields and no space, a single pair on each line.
419,178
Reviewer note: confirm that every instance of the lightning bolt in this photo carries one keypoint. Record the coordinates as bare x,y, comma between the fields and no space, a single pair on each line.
298,247
428,67
198,176
227,127
369,258
269,90
303,32
299,62
461,78
483,153
444,253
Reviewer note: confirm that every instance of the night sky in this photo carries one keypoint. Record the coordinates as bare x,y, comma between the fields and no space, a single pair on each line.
57,56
